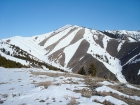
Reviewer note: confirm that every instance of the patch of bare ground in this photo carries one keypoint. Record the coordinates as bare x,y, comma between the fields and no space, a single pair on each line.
104,102
92,83
1,101
46,84
129,101
56,74
138,86
85,92
4,95
23,104
3,83
47,74
70,81
126,90
73,101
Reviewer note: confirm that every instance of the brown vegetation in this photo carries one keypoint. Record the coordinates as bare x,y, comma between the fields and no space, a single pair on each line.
73,101
46,84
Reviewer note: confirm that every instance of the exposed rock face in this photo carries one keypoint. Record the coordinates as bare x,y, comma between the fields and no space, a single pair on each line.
71,47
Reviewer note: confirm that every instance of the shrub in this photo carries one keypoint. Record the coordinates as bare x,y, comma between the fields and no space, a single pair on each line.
82,71
107,103
73,101
46,84
1,101
4,95
23,104
92,70
86,93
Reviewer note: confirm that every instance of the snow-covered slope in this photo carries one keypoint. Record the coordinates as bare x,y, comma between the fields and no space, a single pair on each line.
71,47
123,34
32,86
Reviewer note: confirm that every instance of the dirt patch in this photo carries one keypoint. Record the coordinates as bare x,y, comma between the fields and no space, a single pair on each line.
126,90
129,101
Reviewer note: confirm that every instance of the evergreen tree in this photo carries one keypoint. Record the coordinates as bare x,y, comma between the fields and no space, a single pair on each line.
82,71
92,70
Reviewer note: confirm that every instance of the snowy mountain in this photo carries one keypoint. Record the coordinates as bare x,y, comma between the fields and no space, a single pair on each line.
115,54
124,35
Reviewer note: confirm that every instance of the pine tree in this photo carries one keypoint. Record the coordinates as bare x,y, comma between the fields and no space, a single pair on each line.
92,70
82,71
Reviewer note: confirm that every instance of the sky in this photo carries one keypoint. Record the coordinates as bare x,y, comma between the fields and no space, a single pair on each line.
35,17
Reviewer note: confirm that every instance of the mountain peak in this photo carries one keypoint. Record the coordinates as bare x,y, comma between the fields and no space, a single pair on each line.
72,47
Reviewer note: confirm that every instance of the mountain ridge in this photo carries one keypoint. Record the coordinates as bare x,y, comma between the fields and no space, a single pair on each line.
71,47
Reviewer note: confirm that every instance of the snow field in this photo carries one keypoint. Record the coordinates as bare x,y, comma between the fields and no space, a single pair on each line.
55,38
64,42
20,86
70,51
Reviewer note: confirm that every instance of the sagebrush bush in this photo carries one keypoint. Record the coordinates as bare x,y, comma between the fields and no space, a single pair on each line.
73,101
86,93
46,84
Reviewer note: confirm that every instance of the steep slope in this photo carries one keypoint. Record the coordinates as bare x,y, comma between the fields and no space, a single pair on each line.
124,35
72,47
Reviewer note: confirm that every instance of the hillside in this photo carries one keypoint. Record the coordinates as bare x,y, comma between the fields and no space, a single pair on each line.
115,54
32,86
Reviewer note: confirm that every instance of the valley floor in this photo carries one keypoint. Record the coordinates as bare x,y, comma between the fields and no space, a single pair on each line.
32,86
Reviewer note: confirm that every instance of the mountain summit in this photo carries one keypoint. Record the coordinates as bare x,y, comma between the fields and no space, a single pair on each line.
114,54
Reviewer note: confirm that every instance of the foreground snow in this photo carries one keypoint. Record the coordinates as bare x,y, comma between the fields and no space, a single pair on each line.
20,87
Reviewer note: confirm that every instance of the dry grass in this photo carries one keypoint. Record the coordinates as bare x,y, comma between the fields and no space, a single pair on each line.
73,101
126,90
46,73
71,82
3,83
15,94
1,101
92,83
46,84
84,92
4,95
67,97
19,79
53,99
23,104
97,101
138,86
56,74
129,101
12,88
42,101
57,84
107,103
104,102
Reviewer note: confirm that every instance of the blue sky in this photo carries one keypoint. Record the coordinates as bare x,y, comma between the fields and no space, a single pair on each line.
33,17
